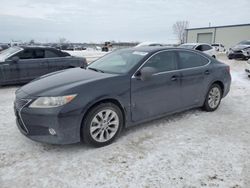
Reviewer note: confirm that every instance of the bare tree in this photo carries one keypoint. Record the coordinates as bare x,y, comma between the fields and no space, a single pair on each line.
180,30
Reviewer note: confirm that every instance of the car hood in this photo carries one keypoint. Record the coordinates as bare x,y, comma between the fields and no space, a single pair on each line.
62,81
240,47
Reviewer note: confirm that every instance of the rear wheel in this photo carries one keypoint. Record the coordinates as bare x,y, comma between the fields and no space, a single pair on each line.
102,124
213,98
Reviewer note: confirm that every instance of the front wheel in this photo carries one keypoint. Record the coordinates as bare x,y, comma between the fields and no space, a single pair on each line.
102,124
213,98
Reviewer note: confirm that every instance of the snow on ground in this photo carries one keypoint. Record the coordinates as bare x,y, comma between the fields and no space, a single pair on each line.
89,54
189,149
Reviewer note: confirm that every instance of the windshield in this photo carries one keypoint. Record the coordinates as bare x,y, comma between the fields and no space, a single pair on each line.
8,52
245,42
118,62
187,46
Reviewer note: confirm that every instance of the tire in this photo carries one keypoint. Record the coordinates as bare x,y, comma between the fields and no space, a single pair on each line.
213,98
102,125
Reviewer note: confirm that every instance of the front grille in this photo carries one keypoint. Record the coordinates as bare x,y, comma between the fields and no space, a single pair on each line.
20,103
21,125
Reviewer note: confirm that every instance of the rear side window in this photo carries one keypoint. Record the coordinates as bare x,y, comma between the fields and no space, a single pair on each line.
50,54
205,47
163,61
190,60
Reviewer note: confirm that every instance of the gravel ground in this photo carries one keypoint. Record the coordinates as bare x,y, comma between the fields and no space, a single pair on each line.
189,149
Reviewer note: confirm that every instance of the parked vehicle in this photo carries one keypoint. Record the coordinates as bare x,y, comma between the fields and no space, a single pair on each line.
121,89
107,47
144,44
205,48
3,47
218,47
248,68
23,64
240,51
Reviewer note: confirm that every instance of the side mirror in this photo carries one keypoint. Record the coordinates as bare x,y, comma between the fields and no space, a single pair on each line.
15,59
146,73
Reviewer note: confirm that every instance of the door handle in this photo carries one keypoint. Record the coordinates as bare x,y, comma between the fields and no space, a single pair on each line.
207,72
174,78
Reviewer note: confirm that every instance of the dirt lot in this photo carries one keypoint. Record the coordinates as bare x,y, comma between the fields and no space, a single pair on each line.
190,149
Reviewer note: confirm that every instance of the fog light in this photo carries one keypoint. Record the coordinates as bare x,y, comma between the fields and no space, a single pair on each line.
52,131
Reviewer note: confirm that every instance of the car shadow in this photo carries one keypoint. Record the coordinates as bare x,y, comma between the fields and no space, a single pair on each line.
166,120
82,147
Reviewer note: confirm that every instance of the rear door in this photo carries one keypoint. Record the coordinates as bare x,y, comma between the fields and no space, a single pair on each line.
160,94
195,72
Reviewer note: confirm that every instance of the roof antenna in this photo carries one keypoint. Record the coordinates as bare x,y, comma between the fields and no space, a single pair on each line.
209,24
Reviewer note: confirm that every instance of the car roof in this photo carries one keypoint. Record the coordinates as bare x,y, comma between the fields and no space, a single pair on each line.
151,48
195,44
37,47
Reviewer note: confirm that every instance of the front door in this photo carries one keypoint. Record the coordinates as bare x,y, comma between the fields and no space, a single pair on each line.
161,93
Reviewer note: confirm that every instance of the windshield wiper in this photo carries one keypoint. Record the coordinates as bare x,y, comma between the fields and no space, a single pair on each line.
94,69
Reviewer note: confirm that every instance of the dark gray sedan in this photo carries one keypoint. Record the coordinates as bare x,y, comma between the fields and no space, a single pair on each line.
23,64
119,90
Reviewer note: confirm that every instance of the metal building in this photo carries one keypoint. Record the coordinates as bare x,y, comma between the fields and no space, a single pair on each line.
228,35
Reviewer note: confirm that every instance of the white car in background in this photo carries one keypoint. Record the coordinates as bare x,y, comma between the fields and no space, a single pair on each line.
219,47
149,44
203,47
248,68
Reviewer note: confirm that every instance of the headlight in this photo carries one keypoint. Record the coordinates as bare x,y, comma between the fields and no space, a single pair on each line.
51,102
246,52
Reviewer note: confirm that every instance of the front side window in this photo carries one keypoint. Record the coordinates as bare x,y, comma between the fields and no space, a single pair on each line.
25,54
163,61
191,60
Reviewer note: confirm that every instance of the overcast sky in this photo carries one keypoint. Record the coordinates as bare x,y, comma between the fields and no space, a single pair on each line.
120,20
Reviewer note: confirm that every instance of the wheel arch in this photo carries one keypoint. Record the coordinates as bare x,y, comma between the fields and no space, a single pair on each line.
220,83
104,100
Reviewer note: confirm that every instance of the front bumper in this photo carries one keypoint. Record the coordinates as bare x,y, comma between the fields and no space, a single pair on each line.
35,124
237,55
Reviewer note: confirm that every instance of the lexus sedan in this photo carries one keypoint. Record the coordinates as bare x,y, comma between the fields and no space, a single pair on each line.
205,48
240,51
121,89
22,64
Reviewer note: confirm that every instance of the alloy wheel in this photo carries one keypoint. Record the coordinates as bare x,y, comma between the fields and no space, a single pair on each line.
104,125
